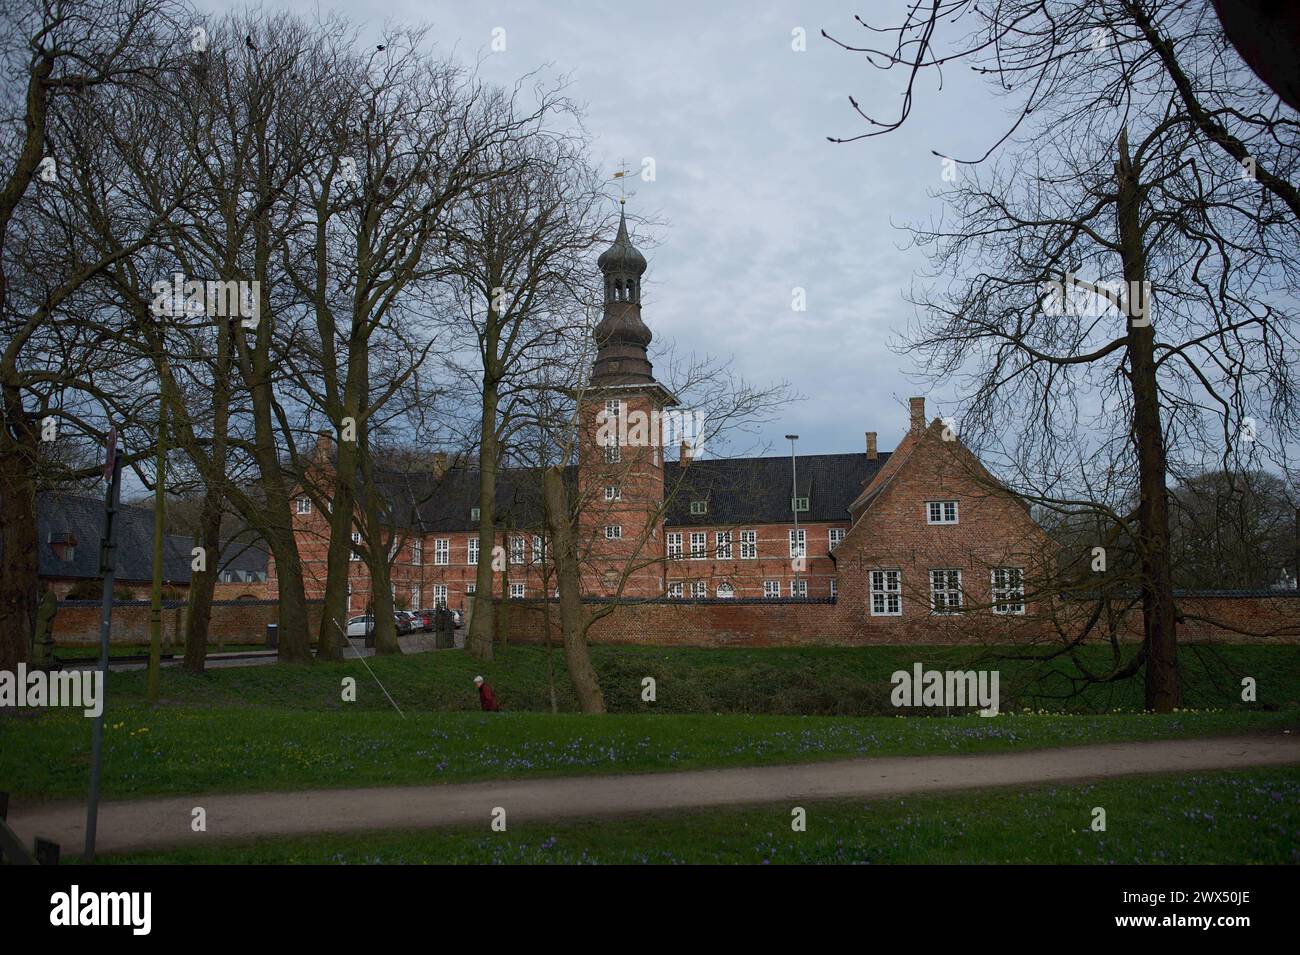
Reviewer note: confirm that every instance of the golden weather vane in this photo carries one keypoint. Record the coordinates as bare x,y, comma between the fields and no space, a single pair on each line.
621,176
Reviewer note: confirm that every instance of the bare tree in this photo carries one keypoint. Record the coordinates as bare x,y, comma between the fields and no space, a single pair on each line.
516,250
52,52
1175,225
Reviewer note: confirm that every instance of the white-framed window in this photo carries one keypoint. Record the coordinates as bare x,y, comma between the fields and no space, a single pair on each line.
886,593
945,590
473,551
675,546
771,588
356,539
613,532
393,549
613,493
798,588
676,590
699,507
835,536
517,553
442,551
473,513
612,453
304,505
471,589
1008,588
415,598
440,595
749,545
799,503
835,589
799,543
941,512
699,545
613,408
417,550
725,591
539,550
722,544
516,591
699,588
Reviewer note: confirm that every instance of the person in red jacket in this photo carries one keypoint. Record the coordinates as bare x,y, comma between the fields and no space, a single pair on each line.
486,698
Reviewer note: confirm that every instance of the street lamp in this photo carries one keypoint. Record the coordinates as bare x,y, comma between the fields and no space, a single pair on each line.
794,508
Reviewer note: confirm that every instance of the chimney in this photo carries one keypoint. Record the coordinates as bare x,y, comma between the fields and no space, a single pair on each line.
324,447
439,464
871,445
685,453
917,406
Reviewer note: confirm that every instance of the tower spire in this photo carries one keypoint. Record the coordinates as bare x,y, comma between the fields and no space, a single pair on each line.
621,337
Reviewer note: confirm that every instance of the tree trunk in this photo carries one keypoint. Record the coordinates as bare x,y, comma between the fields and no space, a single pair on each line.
576,654
546,631
1158,613
159,529
18,572
338,558
381,589
203,585
483,624
503,613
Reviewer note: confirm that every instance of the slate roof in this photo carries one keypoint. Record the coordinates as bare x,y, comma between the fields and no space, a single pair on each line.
884,474
443,504
757,490
738,490
64,515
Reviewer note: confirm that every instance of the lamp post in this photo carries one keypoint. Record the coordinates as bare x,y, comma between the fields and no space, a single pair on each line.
794,508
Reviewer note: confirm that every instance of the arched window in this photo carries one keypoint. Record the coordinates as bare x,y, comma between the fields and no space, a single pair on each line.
726,591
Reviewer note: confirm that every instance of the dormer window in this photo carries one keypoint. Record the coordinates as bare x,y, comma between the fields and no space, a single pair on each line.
64,546
473,513
800,504
699,507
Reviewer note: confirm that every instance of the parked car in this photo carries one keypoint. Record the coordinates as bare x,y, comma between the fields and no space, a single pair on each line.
360,626
424,619
405,621
458,617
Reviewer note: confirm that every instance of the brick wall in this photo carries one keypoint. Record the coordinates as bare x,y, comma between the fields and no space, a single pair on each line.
233,621
763,623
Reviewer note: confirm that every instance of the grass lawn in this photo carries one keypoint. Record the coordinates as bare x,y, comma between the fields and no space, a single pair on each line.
828,681
286,727
191,749
1227,817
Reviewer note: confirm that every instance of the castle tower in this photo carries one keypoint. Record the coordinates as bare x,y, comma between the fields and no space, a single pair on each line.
620,456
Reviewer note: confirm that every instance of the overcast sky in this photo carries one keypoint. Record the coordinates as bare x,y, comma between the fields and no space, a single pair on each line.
752,199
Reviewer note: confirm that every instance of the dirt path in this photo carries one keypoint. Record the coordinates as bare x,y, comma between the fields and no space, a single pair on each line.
152,823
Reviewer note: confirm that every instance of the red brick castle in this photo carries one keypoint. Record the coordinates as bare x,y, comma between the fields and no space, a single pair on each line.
895,538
